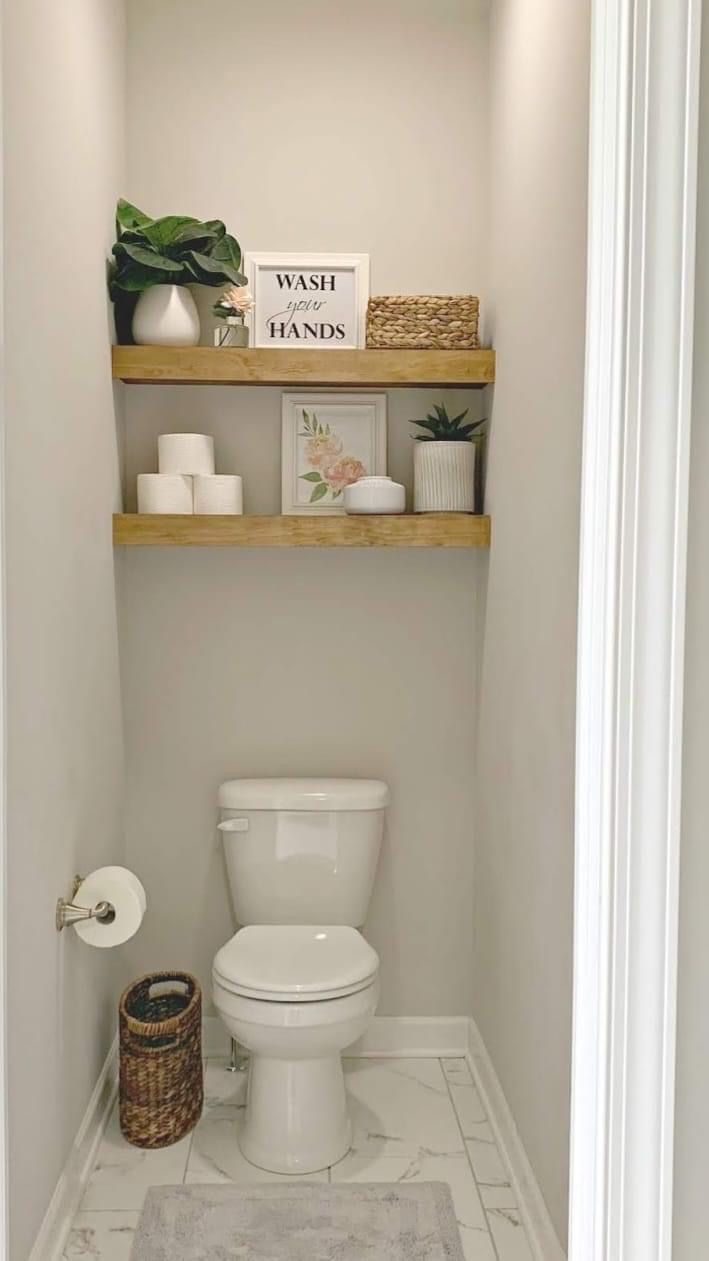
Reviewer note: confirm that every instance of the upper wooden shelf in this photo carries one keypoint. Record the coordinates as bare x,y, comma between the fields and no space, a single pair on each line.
433,529
206,365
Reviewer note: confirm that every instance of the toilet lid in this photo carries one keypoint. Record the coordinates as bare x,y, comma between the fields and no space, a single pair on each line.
295,962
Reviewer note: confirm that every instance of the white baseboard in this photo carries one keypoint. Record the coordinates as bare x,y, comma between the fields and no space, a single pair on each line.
543,1238
387,1037
49,1244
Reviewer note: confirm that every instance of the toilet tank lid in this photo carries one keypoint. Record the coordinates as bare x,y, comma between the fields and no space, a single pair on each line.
303,794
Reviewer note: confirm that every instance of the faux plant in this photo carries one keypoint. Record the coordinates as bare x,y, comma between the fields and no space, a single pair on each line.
234,303
444,428
175,250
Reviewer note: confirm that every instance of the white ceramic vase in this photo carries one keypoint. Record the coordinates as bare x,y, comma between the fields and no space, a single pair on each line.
444,477
166,315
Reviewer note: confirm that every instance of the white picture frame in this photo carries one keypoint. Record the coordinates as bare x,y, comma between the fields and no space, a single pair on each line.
332,290
329,440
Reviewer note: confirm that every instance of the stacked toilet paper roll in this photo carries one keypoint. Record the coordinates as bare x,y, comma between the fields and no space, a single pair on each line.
219,493
123,890
187,482
186,453
165,492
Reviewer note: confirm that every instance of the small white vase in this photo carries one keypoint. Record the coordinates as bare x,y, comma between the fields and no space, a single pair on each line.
444,477
166,315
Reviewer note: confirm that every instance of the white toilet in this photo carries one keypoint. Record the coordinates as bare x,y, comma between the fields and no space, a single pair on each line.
298,983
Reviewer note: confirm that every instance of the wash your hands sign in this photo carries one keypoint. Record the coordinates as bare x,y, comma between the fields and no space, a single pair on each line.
313,303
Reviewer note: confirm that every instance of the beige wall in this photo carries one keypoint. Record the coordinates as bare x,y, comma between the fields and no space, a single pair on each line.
692,1116
524,834
322,125
305,128
62,136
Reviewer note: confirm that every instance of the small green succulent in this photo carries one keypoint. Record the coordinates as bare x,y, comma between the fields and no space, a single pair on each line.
444,428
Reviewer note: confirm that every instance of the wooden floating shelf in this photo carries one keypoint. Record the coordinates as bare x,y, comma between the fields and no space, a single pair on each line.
437,529
206,365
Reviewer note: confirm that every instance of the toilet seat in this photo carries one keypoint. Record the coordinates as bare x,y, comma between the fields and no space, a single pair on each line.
296,963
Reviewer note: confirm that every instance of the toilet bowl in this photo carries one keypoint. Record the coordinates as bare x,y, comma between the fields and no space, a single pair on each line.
296,996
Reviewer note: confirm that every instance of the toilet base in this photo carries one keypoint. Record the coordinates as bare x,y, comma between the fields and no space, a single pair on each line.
296,1110
296,1115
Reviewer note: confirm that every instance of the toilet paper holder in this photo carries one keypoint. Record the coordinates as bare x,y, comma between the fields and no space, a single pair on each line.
69,913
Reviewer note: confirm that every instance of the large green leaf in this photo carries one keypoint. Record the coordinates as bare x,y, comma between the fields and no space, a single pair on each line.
145,257
197,245
134,236
216,227
210,271
166,231
201,237
228,250
137,278
129,216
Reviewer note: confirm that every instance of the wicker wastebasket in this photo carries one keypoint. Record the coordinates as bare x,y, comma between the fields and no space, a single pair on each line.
160,1082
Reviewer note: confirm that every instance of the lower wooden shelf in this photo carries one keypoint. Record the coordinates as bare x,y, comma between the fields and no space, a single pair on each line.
435,529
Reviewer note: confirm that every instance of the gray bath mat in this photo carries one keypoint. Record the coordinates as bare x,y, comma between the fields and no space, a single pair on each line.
312,1221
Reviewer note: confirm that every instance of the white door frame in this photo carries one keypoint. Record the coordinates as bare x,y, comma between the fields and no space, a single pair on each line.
642,208
4,1150
644,104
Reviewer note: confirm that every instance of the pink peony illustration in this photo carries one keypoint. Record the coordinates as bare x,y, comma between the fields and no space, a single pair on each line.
323,449
343,473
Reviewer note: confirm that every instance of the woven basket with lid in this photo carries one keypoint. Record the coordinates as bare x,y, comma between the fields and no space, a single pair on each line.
160,1079
423,322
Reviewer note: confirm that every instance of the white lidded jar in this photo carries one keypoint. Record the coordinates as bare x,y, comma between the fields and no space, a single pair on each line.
374,495
166,315
302,851
444,476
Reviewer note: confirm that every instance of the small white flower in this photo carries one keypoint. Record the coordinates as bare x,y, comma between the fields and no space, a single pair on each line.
238,298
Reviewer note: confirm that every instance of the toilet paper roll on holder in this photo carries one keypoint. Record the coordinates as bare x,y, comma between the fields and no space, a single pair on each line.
69,913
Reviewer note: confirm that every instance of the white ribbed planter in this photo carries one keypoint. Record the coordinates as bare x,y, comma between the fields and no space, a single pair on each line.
444,477
166,315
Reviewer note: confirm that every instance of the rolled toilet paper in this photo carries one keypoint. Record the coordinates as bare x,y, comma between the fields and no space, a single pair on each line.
124,873
123,890
189,453
220,493
164,492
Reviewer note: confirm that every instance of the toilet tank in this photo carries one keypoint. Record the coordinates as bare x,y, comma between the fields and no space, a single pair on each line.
302,851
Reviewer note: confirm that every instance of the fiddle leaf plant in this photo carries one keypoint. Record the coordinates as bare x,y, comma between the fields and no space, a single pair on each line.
174,250
444,428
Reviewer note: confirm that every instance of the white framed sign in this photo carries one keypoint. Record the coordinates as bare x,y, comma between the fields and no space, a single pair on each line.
308,301
329,441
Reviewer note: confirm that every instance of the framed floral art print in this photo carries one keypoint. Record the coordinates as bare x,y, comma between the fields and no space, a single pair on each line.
329,440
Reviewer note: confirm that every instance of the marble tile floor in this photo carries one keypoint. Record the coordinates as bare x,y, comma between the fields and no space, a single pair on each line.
413,1119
